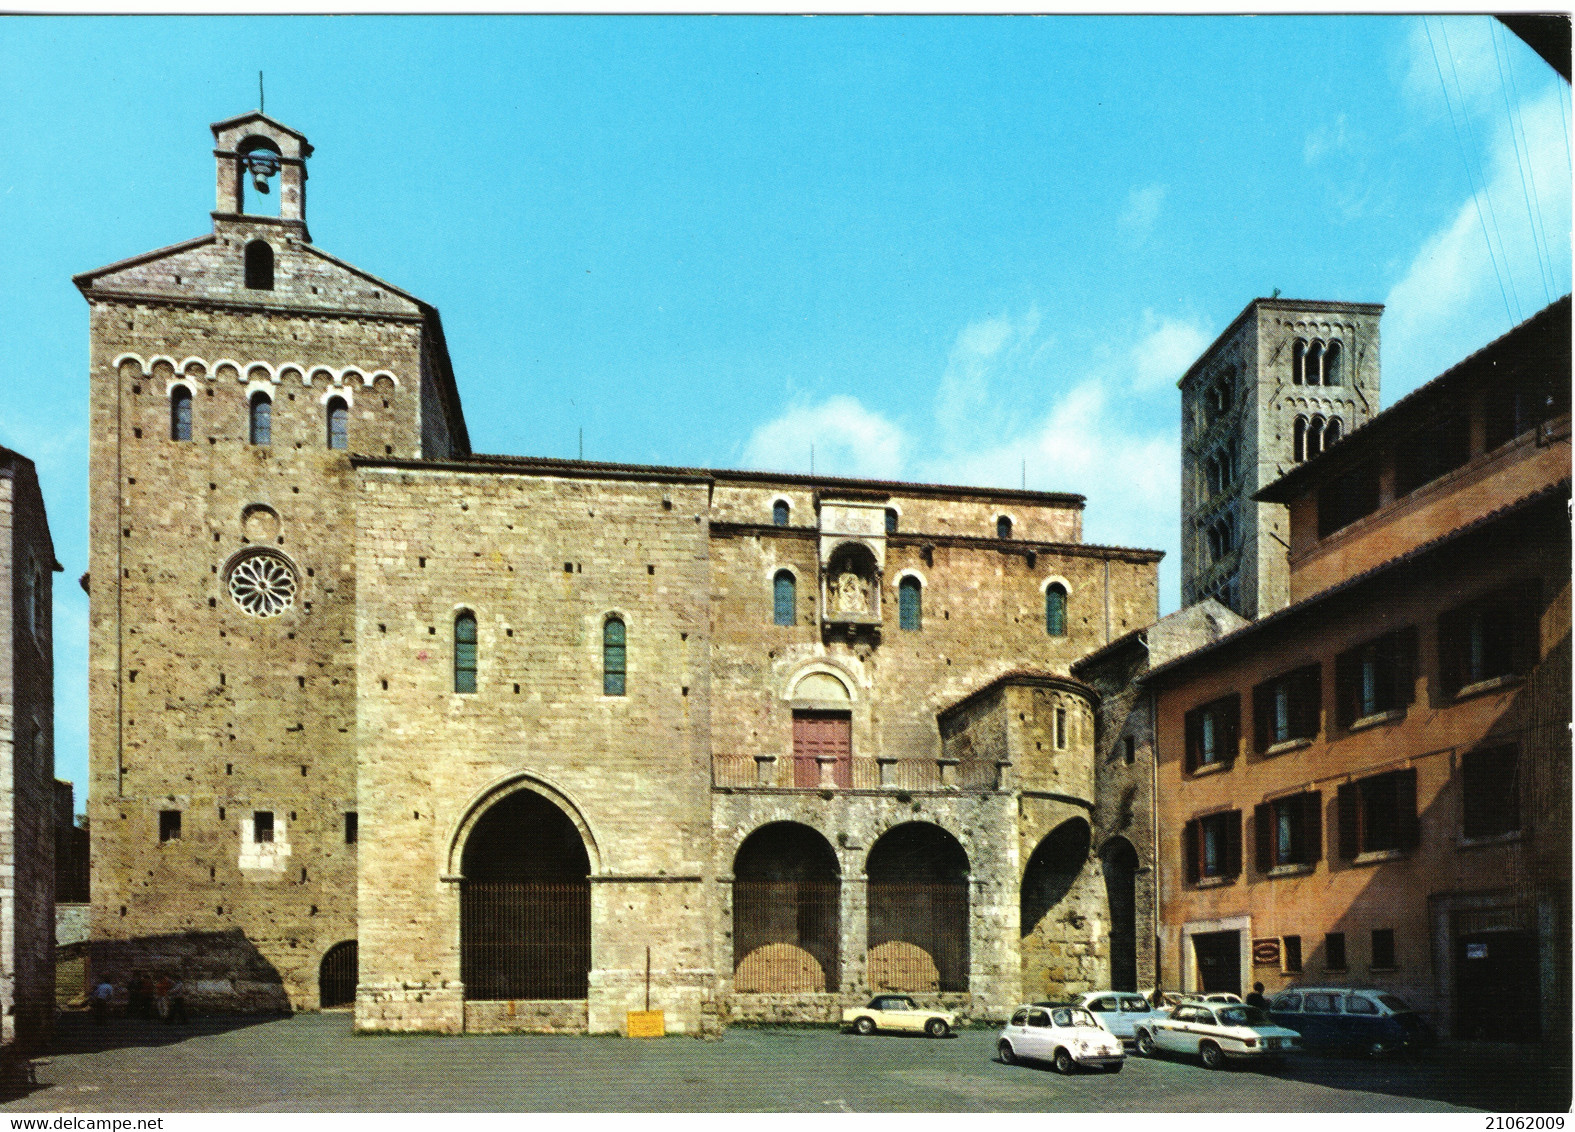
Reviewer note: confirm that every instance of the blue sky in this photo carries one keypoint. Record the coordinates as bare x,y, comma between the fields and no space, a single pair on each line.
934,248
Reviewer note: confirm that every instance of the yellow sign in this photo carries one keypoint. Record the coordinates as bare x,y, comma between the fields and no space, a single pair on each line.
646,1024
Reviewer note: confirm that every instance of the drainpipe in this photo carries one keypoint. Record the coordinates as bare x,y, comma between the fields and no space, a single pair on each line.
1153,811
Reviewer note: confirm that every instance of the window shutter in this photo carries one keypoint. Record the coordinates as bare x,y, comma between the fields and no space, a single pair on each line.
1193,740
1263,716
1312,827
1233,844
1189,850
1309,700
1347,685
1348,802
1449,649
1405,667
1231,731
1407,827
1526,605
1263,819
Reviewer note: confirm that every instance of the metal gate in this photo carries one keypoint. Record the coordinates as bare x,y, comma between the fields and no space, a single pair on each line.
337,977
525,941
786,936
918,936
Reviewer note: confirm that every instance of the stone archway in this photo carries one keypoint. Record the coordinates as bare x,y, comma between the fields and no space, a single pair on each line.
525,903
918,910
786,921
1120,864
1055,909
337,976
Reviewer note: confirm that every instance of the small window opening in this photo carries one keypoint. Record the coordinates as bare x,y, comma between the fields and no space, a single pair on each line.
779,512
262,826
1055,609
338,424
465,652
891,520
180,413
261,423
1003,526
910,604
614,658
784,598
259,266
1129,750
1060,729
169,825
352,827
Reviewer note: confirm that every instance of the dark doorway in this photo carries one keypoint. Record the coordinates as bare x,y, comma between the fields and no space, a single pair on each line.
1219,961
337,975
1120,862
525,904
918,910
1496,976
786,919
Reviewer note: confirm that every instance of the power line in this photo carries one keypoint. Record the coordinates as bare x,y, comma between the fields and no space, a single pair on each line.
1517,121
1462,146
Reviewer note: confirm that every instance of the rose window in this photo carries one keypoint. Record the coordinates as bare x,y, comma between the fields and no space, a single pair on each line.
263,584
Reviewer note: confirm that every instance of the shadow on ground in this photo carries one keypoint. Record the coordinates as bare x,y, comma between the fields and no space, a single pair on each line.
1499,1077
77,1032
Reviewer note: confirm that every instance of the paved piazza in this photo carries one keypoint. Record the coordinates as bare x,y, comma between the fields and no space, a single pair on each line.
313,1062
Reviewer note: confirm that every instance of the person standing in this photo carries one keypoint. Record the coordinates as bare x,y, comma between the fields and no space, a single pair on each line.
1256,997
100,1001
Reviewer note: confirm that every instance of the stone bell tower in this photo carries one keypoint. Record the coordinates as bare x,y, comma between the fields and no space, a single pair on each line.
233,376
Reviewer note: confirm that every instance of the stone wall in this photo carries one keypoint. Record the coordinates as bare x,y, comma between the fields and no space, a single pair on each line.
27,858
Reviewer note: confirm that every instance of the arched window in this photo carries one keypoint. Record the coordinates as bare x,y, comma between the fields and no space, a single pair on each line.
1300,450
1055,609
779,512
338,423
910,603
180,413
614,657
1331,431
1331,364
1003,526
784,598
1298,362
891,520
1315,363
465,652
261,430
259,266
1314,436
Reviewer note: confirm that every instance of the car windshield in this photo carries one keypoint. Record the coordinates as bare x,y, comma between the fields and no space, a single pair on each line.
1083,1018
1242,1016
1395,1003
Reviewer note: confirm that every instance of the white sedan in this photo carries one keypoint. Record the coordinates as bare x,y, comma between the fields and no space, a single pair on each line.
1214,1032
1064,1035
1120,1011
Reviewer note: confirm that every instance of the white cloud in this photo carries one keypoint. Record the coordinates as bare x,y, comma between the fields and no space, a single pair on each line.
848,440
1142,210
987,354
1451,299
1324,140
1163,354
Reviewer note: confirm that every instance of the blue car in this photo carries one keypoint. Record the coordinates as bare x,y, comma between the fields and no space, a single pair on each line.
1347,1019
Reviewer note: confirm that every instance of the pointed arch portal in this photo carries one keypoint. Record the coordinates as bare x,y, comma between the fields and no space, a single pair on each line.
525,903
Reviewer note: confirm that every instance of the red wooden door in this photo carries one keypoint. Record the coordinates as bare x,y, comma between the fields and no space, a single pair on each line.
819,735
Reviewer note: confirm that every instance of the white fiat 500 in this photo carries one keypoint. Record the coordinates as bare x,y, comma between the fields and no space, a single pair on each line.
1063,1034
1214,1032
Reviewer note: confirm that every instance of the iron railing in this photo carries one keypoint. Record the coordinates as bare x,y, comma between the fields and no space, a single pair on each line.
918,935
525,941
338,975
786,936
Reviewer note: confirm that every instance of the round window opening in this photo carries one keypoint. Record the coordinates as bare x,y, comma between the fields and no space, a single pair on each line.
263,583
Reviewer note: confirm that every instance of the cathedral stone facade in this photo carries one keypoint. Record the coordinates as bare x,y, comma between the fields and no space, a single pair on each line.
480,742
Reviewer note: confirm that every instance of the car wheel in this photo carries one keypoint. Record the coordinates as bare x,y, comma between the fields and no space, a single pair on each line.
865,1026
1211,1055
1007,1056
1145,1043
1064,1062
937,1028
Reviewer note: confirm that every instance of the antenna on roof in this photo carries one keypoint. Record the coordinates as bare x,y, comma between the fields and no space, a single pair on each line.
260,103
811,459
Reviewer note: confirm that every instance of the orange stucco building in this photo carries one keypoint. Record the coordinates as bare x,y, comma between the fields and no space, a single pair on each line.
1371,786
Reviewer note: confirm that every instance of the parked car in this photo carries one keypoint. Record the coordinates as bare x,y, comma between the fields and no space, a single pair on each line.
1119,1011
1211,996
898,1012
1362,1020
1215,1032
1063,1034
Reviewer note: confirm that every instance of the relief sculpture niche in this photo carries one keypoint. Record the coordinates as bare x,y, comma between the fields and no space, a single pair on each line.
852,585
